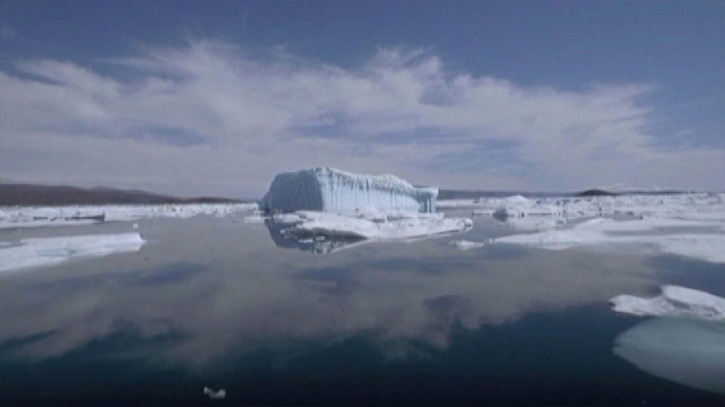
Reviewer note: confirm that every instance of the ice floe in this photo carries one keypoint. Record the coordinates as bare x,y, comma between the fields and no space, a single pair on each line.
407,226
691,225
331,190
675,301
323,232
22,217
42,252
650,235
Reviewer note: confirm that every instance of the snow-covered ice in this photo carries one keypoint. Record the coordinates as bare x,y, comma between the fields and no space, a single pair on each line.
650,235
466,244
411,226
675,301
691,225
41,252
693,206
331,190
22,217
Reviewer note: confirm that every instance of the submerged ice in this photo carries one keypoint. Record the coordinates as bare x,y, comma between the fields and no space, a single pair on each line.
685,343
685,351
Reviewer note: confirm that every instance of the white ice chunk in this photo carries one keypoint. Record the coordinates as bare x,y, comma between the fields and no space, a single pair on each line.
466,244
332,190
685,351
215,394
42,252
675,301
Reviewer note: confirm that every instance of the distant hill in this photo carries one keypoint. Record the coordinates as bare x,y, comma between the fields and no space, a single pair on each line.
46,195
596,192
470,194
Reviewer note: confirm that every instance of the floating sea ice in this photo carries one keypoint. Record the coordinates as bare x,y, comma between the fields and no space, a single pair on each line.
410,227
685,351
675,301
647,234
42,252
466,244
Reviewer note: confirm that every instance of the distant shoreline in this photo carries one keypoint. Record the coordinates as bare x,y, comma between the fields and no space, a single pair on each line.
49,195
52,195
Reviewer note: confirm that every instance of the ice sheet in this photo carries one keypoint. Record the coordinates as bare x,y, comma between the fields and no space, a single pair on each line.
43,252
675,301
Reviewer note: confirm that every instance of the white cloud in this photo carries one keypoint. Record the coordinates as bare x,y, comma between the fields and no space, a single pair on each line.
402,112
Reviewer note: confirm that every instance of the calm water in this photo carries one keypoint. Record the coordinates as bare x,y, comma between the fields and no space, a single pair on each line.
211,302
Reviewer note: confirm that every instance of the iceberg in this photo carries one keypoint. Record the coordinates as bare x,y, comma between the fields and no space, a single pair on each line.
331,190
43,252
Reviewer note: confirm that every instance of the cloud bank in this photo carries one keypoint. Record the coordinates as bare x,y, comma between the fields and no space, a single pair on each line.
213,117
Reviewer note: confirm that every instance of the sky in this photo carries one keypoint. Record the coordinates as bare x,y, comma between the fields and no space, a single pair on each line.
216,97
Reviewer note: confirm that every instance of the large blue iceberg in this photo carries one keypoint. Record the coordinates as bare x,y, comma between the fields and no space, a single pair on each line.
331,190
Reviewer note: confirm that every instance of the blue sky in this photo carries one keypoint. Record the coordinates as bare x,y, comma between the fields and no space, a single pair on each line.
216,97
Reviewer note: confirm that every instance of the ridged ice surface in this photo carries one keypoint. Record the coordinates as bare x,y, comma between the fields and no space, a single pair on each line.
332,190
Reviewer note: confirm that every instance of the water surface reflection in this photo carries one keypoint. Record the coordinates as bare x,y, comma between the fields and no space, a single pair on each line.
217,287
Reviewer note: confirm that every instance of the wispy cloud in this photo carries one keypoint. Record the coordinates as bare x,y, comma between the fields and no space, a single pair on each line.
150,119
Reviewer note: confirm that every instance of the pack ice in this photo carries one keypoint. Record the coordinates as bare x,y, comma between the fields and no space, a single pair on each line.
686,224
332,190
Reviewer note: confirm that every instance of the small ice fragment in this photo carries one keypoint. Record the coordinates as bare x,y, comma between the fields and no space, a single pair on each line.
135,226
466,244
215,394
253,219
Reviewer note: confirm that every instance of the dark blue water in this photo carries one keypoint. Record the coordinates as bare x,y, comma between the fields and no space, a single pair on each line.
208,302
